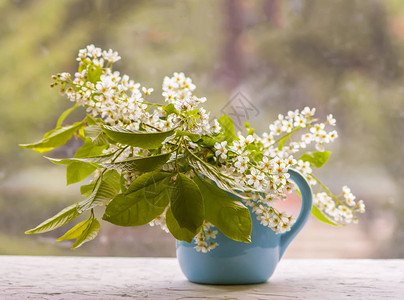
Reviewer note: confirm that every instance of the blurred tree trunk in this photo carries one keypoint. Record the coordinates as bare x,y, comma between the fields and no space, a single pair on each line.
232,68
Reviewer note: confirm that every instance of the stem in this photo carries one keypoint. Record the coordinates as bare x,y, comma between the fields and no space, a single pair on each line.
327,190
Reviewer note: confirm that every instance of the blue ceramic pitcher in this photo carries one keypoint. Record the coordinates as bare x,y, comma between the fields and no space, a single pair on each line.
235,262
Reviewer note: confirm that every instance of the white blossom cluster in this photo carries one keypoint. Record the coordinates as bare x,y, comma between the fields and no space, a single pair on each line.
340,209
267,174
177,90
259,164
204,239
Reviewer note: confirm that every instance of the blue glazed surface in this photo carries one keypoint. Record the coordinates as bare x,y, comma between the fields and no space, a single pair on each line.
241,263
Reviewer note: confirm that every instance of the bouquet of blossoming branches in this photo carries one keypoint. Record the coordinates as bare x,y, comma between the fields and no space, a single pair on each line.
171,166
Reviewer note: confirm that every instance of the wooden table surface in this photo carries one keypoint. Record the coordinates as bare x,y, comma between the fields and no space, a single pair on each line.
29,277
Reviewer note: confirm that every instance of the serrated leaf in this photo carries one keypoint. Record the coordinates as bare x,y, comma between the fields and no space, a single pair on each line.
321,217
88,234
228,214
78,171
89,149
176,230
64,216
142,164
145,199
224,182
55,139
103,192
194,137
74,232
186,204
316,159
145,140
64,115
97,135
228,131
113,178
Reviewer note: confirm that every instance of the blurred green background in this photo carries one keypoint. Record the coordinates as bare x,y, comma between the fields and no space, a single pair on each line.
342,57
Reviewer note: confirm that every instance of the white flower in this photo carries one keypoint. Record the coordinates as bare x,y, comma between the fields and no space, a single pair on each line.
346,190
300,121
332,135
308,112
331,120
304,166
267,139
147,91
221,149
111,55
211,234
276,128
93,51
265,164
255,178
246,141
212,246
237,147
281,169
287,126
216,127
361,206
290,161
242,163
201,248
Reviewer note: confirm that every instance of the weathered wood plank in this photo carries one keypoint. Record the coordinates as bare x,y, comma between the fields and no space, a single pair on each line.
23,277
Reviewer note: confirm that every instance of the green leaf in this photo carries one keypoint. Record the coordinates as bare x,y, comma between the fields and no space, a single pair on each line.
55,138
229,133
94,73
80,167
142,164
87,189
113,178
88,234
150,185
65,114
170,109
89,149
96,134
78,171
176,230
229,215
145,140
282,140
193,136
316,159
320,216
224,182
186,204
83,232
145,199
104,190
90,160
74,232
64,216
208,141
250,131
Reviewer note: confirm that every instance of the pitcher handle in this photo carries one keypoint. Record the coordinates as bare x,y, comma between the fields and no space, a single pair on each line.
307,203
